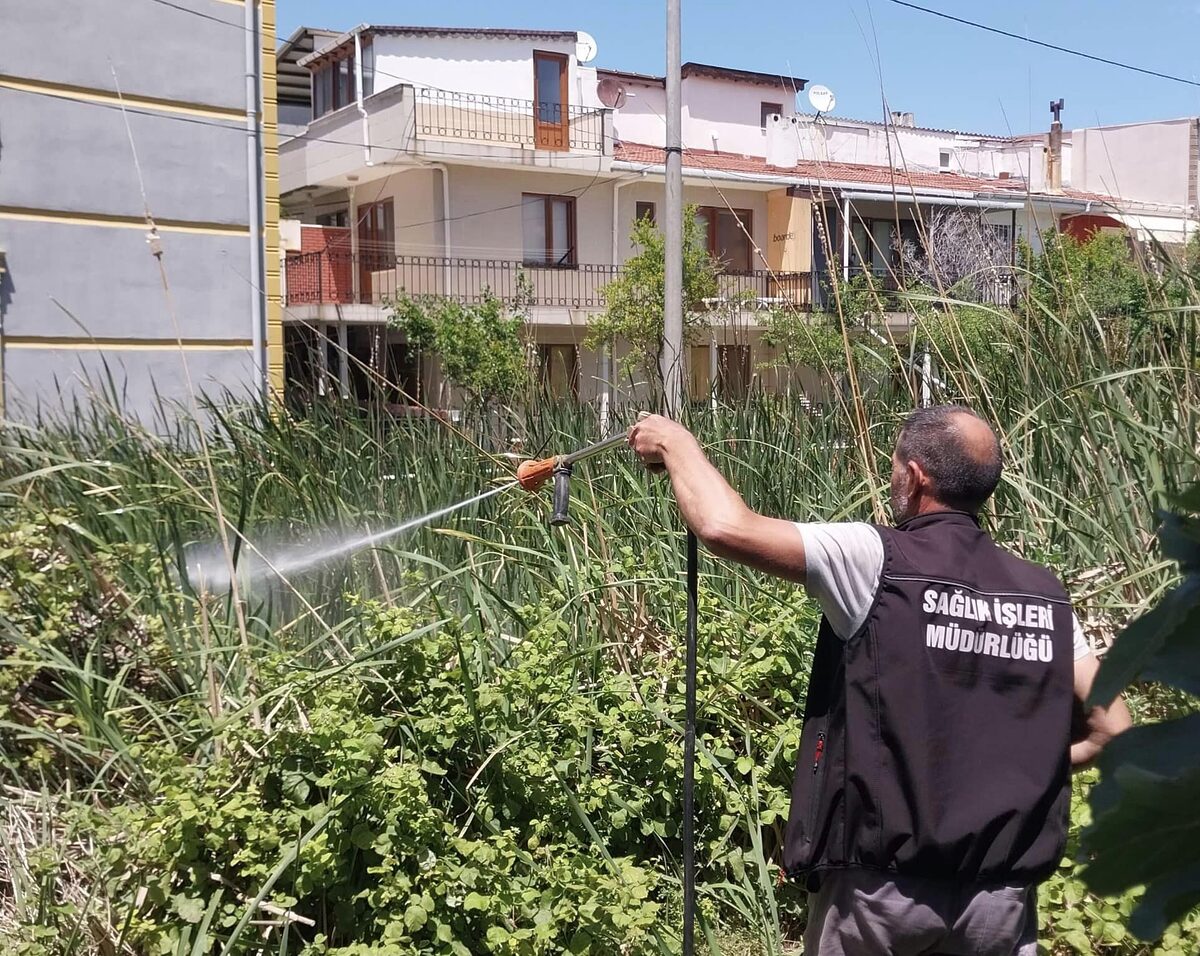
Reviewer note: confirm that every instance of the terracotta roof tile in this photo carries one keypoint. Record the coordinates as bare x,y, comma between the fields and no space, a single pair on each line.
858,173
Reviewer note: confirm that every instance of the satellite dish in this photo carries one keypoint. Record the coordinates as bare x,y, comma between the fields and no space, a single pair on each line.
585,47
821,98
611,93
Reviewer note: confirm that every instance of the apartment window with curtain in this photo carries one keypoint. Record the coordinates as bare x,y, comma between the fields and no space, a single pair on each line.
548,231
728,232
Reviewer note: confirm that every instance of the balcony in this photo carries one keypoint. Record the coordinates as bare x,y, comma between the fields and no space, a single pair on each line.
336,277
407,125
486,120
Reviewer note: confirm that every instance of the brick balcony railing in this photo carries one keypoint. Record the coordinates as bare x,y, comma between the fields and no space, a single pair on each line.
327,277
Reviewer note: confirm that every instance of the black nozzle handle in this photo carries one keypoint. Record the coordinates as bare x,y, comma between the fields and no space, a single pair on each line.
562,493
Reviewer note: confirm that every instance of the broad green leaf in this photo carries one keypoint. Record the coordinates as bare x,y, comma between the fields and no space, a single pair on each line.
475,901
190,908
1178,615
415,917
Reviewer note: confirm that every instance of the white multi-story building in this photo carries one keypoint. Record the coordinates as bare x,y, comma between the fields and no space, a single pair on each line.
450,162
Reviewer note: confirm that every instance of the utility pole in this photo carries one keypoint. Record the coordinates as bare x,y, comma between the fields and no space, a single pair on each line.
671,365
670,362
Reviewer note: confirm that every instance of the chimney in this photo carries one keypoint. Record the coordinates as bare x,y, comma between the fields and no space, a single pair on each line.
1054,158
903,119
783,141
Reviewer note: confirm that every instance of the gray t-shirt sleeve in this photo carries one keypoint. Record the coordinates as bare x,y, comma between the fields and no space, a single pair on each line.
843,562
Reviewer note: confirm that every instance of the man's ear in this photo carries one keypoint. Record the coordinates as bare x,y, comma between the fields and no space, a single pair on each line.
918,481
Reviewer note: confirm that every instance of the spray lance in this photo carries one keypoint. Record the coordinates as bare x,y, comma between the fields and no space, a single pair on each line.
532,474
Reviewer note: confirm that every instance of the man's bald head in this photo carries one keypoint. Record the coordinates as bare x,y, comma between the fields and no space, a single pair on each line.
957,451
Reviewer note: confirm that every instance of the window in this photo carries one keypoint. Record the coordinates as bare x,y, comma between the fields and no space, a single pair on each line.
559,369
733,371
368,66
944,157
339,219
764,112
333,84
871,246
644,210
402,373
548,228
728,234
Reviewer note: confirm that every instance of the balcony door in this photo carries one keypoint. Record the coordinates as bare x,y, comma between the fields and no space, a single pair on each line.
376,247
551,129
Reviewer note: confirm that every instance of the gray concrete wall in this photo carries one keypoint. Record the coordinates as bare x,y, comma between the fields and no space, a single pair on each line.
156,51
47,383
81,287
107,278
73,155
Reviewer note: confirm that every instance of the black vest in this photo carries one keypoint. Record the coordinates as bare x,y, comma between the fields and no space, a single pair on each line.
936,740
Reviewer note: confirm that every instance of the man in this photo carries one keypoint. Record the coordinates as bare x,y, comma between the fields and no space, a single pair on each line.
933,785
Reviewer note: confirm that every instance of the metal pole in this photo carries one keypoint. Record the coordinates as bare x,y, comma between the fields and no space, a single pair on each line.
671,359
255,210
846,242
689,756
926,371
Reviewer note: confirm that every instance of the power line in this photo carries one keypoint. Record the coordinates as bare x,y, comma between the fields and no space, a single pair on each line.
1048,46
201,15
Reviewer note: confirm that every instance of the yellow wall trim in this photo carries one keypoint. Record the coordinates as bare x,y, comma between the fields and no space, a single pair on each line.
133,101
82,344
270,121
27,214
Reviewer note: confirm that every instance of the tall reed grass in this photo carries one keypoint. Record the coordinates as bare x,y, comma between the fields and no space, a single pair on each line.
1098,421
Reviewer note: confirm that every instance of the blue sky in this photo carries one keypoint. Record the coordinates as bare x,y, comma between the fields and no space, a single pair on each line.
948,75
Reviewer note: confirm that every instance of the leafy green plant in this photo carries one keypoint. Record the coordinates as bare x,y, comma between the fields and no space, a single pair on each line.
634,299
481,347
1089,281
1145,830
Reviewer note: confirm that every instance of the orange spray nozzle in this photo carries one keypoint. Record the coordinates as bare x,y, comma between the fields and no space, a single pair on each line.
532,474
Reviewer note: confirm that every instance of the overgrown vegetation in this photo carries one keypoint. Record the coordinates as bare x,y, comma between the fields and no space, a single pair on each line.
469,739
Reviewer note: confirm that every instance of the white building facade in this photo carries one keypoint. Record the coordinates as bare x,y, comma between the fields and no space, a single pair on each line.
458,162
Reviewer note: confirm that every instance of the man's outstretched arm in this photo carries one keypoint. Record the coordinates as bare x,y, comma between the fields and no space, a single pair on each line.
712,509
1100,724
